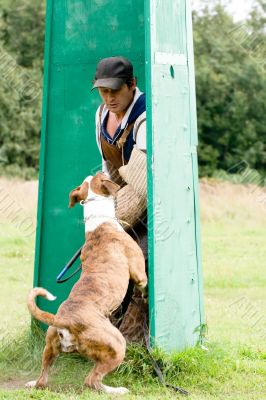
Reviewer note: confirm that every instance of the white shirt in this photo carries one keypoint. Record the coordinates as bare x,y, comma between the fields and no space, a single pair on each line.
141,132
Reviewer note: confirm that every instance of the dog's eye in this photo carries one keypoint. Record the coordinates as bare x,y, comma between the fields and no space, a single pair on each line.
61,335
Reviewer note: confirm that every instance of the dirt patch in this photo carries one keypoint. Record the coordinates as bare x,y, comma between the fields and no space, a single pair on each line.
13,384
19,194
225,200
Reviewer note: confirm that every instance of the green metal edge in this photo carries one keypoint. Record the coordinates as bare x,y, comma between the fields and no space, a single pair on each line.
198,240
148,80
194,142
48,33
191,72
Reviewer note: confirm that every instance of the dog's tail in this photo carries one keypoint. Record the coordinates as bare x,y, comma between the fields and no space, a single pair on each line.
43,316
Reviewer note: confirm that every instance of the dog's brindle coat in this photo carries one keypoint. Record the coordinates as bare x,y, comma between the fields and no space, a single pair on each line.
110,257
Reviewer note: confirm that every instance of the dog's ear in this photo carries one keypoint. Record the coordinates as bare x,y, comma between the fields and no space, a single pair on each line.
73,197
110,186
78,194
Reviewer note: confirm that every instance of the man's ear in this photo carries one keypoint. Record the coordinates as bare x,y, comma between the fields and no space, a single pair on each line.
78,194
110,186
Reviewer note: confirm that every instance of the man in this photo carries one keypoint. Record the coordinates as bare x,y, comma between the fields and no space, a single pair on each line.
121,138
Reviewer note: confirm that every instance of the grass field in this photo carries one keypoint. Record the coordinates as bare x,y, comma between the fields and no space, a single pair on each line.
234,254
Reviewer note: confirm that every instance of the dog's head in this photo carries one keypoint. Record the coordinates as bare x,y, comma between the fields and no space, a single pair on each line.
99,185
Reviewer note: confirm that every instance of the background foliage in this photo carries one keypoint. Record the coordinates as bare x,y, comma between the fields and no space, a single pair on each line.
22,25
230,84
231,89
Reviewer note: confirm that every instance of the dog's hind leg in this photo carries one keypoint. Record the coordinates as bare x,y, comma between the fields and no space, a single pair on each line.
51,351
107,348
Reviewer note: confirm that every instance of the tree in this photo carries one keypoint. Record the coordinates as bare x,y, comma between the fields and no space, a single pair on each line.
231,96
22,30
21,60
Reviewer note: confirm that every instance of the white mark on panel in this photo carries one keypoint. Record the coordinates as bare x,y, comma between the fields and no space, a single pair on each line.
170,58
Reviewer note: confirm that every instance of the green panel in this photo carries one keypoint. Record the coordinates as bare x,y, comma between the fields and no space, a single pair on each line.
78,35
169,37
175,277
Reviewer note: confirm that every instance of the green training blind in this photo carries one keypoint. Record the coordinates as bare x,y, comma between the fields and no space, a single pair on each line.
157,37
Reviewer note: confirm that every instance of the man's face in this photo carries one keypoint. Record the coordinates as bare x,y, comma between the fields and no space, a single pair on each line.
118,100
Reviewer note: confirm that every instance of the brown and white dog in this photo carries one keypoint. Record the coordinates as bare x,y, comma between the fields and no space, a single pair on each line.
110,257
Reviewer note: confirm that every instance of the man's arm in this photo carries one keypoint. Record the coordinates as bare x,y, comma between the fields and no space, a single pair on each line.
131,200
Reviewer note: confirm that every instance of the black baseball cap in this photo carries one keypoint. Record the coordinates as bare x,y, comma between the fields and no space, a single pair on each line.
112,72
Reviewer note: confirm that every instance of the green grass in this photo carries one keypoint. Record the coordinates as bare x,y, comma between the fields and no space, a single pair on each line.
223,370
232,368
17,254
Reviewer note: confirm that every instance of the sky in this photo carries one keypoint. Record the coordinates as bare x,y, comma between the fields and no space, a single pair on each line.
238,8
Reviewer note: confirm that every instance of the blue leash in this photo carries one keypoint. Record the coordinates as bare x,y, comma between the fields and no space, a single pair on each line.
69,265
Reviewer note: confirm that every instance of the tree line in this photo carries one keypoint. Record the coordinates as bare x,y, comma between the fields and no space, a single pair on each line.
230,68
